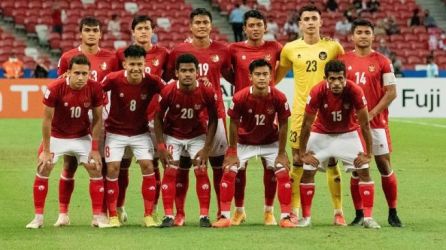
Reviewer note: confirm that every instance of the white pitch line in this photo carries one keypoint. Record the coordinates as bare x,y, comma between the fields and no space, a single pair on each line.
420,123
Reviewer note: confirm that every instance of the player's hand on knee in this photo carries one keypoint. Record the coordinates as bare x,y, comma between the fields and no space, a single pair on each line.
282,161
202,157
45,161
362,159
95,159
231,160
309,159
165,158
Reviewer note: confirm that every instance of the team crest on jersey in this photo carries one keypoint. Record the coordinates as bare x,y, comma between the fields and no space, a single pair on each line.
215,58
323,55
87,104
155,62
372,68
270,111
243,57
177,106
346,105
268,57
66,104
349,67
121,94
143,96
250,111
325,106
104,66
197,106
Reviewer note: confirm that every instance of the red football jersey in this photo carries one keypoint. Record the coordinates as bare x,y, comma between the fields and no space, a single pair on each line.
371,73
183,110
102,63
71,107
212,61
335,113
257,114
128,102
156,60
242,54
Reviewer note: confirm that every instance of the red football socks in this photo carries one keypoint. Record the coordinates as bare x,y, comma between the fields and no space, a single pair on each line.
227,188
203,190
96,194
390,187
367,192
168,189
306,198
148,190
112,189
40,190
284,187
354,190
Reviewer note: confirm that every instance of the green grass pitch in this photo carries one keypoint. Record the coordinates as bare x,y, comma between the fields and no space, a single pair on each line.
418,159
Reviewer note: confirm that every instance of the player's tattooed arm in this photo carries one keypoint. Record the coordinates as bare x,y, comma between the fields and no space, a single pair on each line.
231,157
364,157
282,157
45,158
307,156
95,157
385,101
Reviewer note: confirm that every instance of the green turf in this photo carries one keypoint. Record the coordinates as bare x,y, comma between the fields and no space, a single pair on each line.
418,160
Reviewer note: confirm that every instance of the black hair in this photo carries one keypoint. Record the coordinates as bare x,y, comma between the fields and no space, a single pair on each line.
259,63
334,66
80,59
361,22
253,14
308,7
200,12
134,51
186,58
141,19
89,21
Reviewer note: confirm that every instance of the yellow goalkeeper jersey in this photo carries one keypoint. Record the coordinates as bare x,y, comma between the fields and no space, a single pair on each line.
308,62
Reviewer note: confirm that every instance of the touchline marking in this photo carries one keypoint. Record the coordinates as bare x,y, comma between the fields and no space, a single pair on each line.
420,123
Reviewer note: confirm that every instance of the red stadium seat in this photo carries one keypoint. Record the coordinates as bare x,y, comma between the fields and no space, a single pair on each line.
414,60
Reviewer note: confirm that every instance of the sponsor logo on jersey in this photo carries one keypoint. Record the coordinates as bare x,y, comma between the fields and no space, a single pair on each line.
177,106
66,104
143,96
215,58
325,106
197,106
346,105
104,66
349,67
270,111
323,55
372,68
87,104
298,56
121,94
250,111
243,57
155,62
268,57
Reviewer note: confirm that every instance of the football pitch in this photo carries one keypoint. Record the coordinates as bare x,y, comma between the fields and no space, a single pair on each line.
419,160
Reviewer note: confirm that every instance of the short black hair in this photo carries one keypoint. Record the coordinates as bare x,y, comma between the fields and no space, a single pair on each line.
80,59
141,19
253,14
308,7
186,58
259,63
89,21
361,22
200,12
334,66
134,51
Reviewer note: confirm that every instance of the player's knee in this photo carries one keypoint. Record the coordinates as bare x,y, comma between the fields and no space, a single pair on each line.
308,176
383,164
332,162
93,171
364,175
216,161
146,166
113,169
125,163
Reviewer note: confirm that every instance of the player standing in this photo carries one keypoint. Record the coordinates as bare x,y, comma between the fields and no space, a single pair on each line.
213,62
337,105
254,132
307,57
66,131
156,59
373,72
102,62
242,54
131,90
180,118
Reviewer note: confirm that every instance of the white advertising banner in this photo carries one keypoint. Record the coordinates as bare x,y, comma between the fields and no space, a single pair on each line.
416,97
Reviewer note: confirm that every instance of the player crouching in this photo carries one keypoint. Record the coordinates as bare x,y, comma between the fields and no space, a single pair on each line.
332,106
66,131
254,132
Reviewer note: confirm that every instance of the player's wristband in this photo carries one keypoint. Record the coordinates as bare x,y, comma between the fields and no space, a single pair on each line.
231,151
161,147
94,145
